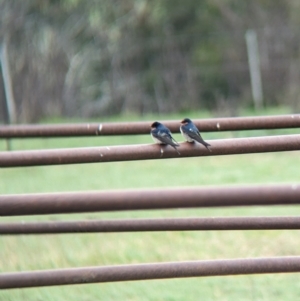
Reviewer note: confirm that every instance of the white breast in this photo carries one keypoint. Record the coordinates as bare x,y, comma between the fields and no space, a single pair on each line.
156,140
186,137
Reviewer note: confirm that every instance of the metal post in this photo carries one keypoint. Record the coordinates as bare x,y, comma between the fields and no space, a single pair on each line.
153,224
143,127
148,151
149,199
164,270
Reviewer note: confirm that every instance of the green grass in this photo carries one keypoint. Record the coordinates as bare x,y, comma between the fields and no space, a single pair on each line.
20,253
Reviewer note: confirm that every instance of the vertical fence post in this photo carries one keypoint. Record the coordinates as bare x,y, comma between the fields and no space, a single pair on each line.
9,97
255,76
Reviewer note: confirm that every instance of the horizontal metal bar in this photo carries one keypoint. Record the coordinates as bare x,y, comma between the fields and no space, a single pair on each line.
154,224
137,128
151,271
149,151
119,200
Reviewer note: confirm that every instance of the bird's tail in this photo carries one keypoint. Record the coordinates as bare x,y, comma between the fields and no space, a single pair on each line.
207,145
176,149
174,143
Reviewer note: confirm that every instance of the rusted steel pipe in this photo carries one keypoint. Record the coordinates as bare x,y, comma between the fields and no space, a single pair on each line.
149,151
71,202
203,268
137,128
154,224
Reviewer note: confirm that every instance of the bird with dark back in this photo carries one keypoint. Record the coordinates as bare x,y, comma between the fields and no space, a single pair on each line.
162,135
191,133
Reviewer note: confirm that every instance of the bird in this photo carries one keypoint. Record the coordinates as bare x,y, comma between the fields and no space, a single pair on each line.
162,135
191,133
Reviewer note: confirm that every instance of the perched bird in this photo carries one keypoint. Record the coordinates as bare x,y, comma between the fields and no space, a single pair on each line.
162,135
191,133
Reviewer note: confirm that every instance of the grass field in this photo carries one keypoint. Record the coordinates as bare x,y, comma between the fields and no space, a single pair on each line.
20,253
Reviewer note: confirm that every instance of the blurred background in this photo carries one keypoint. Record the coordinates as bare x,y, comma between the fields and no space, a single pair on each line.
123,60
74,58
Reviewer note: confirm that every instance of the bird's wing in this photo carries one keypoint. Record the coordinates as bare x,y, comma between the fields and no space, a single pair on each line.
166,138
194,134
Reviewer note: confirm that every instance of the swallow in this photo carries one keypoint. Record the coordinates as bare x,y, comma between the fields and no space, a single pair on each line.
191,133
162,135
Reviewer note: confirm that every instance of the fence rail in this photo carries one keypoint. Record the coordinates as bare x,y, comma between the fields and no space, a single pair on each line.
137,128
154,224
150,271
74,202
57,203
149,151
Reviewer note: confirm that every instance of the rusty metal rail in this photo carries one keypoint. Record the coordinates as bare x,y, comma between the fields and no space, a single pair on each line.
71,202
150,271
154,224
149,151
136,128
